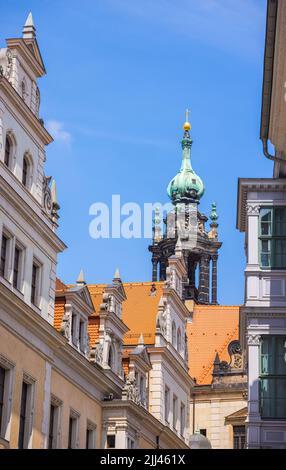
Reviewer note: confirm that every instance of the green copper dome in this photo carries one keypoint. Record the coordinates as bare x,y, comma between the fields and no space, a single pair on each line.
186,186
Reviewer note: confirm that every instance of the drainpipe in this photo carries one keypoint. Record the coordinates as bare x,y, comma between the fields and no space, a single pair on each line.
268,155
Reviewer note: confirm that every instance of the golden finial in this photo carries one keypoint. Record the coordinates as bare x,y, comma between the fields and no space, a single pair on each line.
187,125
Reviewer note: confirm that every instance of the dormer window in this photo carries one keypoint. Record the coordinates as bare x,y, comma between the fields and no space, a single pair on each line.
8,151
111,357
27,171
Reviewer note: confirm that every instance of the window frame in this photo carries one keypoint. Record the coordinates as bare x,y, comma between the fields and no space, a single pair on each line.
271,238
90,435
29,412
56,403
167,395
36,298
175,412
73,430
5,424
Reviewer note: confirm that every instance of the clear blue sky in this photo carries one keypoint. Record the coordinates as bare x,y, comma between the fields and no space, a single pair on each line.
120,75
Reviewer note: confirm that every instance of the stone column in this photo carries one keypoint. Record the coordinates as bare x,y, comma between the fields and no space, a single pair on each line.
163,266
203,283
207,280
253,419
154,269
214,279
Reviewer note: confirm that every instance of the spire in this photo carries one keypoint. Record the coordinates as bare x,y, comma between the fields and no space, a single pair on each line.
29,30
80,280
214,215
117,277
186,186
141,342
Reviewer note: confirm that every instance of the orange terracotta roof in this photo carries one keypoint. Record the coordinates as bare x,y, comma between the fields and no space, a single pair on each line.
139,310
60,286
96,291
59,312
93,330
212,329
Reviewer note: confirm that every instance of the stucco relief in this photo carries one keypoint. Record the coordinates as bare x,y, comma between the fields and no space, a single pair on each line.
130,391
252,208
253,339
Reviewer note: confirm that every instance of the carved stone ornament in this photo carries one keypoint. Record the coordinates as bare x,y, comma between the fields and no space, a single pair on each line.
161,319
130,391
235,353
9,64
253,339
96,354
47,197
66,326
105,305
253,209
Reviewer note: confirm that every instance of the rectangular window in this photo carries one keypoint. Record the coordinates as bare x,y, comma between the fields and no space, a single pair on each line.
175,411
182,419
110,441
52,427
4,256
273,377
73,431
239,437
35,284
90,436
17,267
167,404
23,416
74,329
273,237
6,382
2,389
81,335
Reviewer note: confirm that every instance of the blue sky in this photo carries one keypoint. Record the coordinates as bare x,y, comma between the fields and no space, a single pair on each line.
120,75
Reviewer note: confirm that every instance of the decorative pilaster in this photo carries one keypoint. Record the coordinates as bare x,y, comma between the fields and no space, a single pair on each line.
214,279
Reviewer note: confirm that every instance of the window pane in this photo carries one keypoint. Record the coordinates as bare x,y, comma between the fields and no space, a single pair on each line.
265,218
280,221
280,253
273,397
265,253
280,355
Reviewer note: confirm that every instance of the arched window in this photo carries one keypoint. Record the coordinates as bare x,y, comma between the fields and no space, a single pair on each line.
27,171
8,151
174,334
179,340
111,357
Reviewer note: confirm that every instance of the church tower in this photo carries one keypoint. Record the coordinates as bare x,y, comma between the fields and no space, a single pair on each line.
185,230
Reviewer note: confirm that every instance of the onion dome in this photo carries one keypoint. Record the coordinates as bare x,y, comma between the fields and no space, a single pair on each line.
186,186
